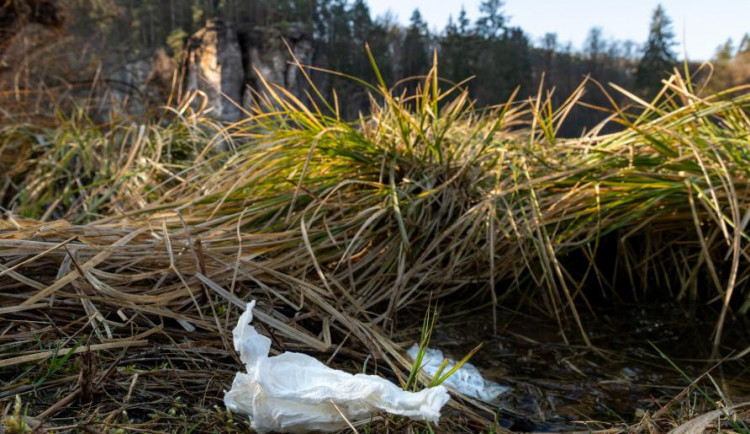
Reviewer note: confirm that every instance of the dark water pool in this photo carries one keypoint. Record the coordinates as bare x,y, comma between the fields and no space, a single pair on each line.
559,386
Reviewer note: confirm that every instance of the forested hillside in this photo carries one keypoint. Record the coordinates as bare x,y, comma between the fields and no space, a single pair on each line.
498,58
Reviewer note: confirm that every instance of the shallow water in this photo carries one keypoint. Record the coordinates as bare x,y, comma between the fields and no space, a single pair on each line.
561,387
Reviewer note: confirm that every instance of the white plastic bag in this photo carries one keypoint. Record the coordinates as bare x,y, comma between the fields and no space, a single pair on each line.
296,393
467,380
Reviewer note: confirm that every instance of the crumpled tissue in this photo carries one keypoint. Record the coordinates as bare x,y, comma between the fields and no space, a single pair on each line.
467,379
296,393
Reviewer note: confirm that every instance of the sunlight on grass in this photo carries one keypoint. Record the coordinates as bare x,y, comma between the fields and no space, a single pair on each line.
342,225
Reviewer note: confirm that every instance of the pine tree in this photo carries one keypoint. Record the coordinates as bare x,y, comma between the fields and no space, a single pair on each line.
415,61
594,49
502,59
361,22
722,77
492,22
457,48
548,51
517,67
364,31
463,22
744,46
741,62
725,52
658,58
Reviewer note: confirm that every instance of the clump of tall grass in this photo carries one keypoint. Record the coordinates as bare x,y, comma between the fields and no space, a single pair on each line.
430,194
81,171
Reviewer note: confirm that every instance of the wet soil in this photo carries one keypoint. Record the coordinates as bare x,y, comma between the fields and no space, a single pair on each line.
559,386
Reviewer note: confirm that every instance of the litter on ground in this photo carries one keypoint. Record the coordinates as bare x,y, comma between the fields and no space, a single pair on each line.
293,392
466,380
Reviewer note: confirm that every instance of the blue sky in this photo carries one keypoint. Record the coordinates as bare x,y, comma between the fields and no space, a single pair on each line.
702,25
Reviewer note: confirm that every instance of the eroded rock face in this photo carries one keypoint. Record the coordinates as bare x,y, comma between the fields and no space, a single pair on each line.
268,56
129,86
214,66
137,85
227,65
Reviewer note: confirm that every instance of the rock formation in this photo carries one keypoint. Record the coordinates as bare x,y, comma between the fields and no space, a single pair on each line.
268,56
137,85
222,63
226,64
214,66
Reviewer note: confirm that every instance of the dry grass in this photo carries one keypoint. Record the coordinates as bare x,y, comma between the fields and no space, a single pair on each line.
133,244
